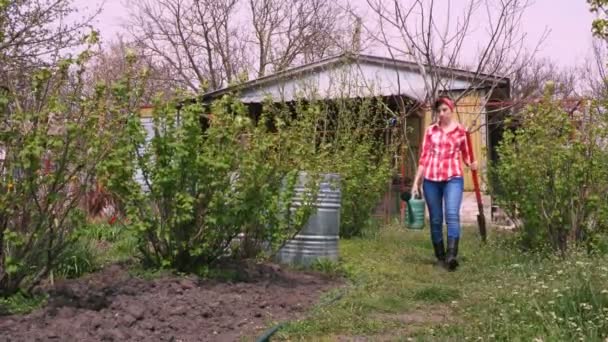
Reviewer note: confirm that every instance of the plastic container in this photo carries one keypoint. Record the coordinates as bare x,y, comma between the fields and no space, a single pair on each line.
414,217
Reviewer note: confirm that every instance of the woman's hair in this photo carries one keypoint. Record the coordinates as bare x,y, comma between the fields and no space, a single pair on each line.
443,100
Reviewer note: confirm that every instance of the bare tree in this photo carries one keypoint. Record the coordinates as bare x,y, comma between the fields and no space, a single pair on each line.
593,73
35,34
528,81
294,32
192,37
36,30
441,40
111,64
212,43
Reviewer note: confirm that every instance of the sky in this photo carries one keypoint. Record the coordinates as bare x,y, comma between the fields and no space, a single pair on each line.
567,21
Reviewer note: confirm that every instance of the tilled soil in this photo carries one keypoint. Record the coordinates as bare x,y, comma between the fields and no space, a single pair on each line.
112,305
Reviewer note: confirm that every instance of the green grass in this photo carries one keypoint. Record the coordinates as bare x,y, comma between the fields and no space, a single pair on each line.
113,243
97,245
21,304
437,294
498,294
77,259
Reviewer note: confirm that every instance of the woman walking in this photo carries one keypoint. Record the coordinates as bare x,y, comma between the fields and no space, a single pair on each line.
443,185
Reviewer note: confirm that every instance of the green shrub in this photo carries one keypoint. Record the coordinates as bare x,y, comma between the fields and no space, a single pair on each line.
352,144
201,188
552,176
54,143
364,178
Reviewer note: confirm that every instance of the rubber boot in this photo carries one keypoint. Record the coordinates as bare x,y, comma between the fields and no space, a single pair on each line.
451,260
439,253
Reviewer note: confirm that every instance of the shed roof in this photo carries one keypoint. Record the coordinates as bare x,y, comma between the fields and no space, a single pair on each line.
349,75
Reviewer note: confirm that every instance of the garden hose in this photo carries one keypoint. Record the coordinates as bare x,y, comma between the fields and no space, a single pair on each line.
268,333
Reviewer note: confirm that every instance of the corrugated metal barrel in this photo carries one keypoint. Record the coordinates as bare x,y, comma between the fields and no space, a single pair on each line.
148,126
318,239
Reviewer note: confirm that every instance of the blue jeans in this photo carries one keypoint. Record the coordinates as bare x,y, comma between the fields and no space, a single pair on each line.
436,194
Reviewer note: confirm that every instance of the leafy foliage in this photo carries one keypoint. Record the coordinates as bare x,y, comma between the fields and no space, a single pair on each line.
206,183
52,145
551,176
600,24
351,142
202,188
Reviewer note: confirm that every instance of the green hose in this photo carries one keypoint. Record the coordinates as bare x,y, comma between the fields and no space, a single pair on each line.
268,333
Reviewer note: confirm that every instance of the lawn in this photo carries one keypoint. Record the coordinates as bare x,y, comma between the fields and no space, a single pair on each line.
395,293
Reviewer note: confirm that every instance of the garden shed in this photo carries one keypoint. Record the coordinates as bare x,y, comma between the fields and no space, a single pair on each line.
395,82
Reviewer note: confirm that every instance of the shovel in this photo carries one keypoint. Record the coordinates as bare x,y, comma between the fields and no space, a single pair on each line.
481,218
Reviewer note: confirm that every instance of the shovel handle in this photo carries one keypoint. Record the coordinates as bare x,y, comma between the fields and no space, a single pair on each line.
481,219
474,172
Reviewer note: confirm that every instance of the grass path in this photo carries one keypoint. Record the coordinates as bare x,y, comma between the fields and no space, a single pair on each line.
395,293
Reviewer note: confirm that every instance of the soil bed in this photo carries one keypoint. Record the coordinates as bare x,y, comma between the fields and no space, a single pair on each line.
113,305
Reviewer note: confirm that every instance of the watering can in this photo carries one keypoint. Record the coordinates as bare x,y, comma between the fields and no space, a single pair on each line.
414,218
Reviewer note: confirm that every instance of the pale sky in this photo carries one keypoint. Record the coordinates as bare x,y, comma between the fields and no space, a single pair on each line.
569,23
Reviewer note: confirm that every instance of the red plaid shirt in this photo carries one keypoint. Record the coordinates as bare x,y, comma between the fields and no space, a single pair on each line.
441,153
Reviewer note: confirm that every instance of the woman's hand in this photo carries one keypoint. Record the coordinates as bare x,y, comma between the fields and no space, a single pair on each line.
473,166
415,190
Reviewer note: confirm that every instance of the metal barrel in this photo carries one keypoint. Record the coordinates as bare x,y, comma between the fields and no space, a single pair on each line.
318,238
148,126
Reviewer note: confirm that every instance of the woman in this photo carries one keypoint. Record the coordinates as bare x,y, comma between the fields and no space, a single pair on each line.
440,166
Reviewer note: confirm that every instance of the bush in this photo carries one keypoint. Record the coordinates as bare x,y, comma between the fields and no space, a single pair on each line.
54,136
552,178
364,178
202,188
351,143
